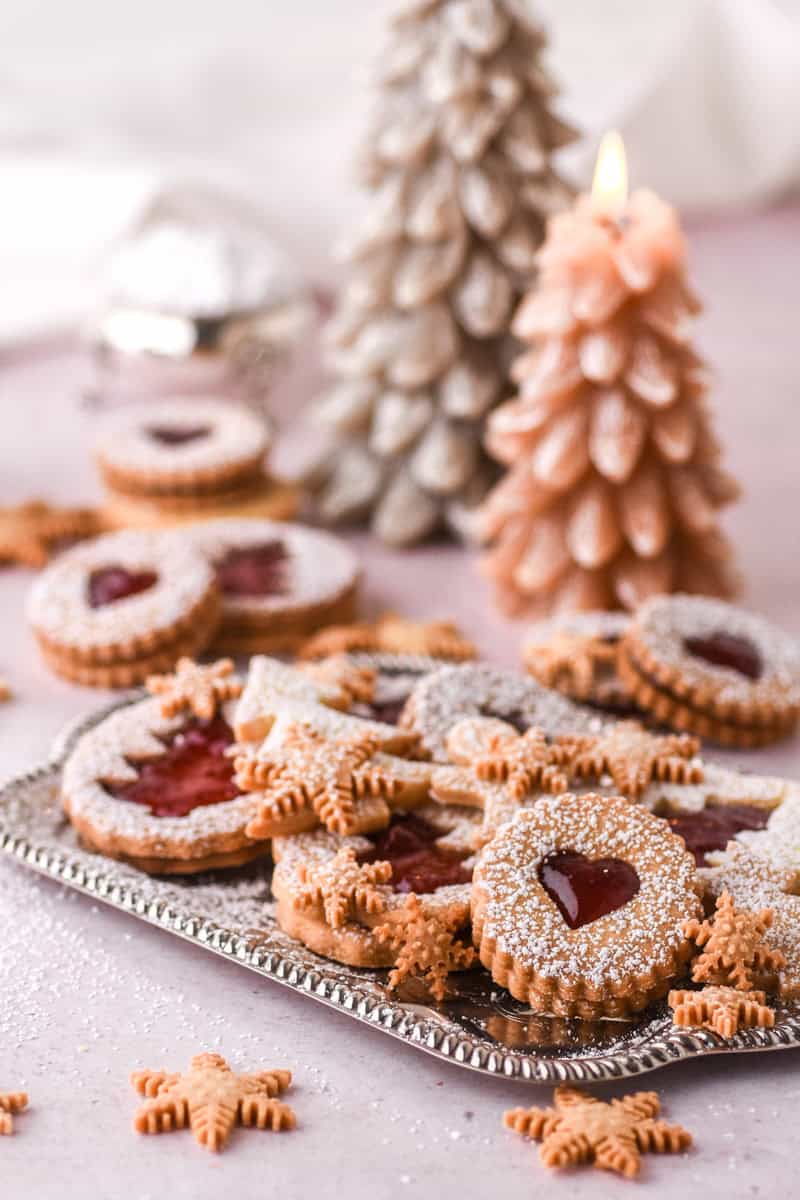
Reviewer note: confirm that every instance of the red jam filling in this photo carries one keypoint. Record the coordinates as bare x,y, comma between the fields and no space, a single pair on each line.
418,864
177,435
712,828
254,570
387,711
585,889
723,649
109,584
193,772
515,718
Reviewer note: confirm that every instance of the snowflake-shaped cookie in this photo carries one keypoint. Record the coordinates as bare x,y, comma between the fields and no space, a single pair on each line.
613,1136
345,888
211,1098
310,772
726,1010
30,532
734,953
633,757
497,769
194,688
10,1103
426,948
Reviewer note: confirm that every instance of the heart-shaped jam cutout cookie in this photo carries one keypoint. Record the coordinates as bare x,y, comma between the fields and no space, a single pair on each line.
729,650
112,583
418,864
177,435
255,570
585,889
193,772
712,828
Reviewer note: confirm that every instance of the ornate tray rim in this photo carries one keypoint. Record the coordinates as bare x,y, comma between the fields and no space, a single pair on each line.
436,1035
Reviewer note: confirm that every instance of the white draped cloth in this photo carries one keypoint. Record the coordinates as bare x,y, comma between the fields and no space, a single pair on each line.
104,108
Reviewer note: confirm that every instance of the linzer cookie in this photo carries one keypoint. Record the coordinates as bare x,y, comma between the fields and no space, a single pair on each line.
340,895
174,460
278,582
712,669
442,698
159,791
578,906
110,612
577,655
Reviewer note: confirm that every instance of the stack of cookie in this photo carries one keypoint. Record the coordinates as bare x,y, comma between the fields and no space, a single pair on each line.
111,611
691,663
278,582
175,461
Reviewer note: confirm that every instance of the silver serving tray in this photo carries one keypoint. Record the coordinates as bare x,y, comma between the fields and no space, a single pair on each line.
231,914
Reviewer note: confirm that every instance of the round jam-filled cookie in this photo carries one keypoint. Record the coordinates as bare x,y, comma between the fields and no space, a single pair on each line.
446,696
112,611
334,891
578,906
160,792
278,582
577,655
709,668
182,447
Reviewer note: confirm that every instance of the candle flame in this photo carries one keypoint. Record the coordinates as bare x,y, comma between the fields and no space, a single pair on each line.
610,184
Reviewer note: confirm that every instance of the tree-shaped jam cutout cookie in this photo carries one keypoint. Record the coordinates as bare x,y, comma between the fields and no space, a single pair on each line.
498,769
723,1009
345,888
195,688
426,948
210,1098
734,953
310,772
633,757
10,1103
581,1129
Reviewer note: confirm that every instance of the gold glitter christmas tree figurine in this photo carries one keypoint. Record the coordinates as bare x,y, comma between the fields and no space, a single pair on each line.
458,165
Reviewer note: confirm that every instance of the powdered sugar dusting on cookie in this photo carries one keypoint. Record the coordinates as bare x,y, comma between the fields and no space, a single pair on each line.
107,754
318,567
229,434
664,623
59,607
641,940
444,697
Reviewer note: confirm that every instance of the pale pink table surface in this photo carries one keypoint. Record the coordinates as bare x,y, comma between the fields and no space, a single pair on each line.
87,994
